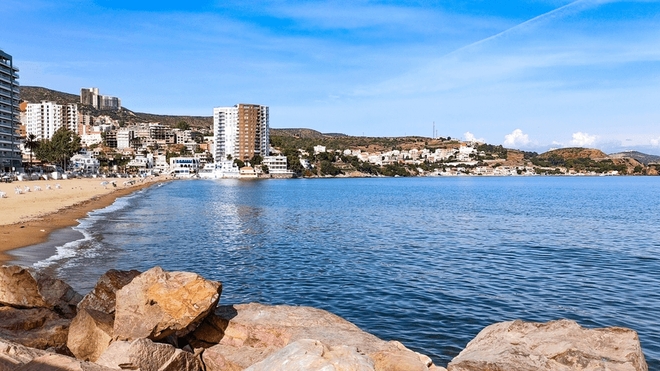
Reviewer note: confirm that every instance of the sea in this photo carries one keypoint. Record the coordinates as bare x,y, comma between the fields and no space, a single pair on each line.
429,262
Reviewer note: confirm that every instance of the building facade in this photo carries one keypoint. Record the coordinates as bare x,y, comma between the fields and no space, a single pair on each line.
45,118
91,96
241,131
10,154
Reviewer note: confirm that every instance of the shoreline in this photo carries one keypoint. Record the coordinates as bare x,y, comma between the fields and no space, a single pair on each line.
37,230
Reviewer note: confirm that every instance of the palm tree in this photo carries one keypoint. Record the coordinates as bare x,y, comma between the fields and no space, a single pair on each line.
31,143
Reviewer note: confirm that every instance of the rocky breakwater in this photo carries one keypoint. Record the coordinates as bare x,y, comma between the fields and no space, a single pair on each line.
160,320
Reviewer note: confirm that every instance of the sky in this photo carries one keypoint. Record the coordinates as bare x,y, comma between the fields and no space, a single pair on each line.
531,75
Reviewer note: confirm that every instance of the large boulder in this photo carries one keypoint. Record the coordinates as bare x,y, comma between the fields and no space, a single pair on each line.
21,288
157,304
248,333
91,330
145,355
313,355
90,334
102,297
39,328
553,346
13,355
396,357
58,362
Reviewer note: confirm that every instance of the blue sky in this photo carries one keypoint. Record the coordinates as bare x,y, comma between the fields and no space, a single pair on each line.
532,74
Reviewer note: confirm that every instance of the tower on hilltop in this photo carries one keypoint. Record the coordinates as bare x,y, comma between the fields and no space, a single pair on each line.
241,132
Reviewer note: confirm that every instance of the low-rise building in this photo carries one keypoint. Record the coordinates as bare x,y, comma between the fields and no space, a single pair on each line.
276,164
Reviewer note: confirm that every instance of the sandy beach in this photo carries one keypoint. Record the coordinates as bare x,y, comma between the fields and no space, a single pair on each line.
30,217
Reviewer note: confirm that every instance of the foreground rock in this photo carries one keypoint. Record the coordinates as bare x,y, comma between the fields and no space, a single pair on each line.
312,355
103,297
90,334
554,346
14,355
19,288
38,328
91,331
157,304
249,333
126,320
145,355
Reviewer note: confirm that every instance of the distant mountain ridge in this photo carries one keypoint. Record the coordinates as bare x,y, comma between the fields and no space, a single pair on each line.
639,156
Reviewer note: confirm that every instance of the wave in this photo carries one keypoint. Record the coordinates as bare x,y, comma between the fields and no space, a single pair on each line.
71,249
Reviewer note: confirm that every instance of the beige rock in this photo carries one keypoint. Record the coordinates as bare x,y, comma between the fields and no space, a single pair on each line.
102,297
58,362
20,288
13,355
312,355
90,334
553,346
396,357
157,304
145,355
248,333
39,328
227,358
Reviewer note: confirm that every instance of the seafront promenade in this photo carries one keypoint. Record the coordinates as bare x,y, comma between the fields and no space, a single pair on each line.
43,206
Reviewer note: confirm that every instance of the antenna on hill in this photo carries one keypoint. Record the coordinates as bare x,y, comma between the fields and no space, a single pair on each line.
433,130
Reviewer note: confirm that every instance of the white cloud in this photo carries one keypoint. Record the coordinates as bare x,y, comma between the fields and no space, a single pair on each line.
581,139
516,139
469,137
655,142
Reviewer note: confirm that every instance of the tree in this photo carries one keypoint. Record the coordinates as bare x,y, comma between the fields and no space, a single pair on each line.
239,163
60,148
182,125
31,143
256,160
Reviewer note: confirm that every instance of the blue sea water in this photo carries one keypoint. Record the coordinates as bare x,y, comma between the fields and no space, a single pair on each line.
426,261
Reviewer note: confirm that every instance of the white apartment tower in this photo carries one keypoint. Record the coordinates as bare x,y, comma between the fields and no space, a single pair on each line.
241,131
45,118
10,155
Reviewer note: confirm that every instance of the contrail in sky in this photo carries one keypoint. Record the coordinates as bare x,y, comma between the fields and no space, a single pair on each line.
527,22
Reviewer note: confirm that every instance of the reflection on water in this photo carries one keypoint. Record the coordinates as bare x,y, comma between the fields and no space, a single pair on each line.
429,262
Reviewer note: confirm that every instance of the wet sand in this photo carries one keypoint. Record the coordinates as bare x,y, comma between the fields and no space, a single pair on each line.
29,218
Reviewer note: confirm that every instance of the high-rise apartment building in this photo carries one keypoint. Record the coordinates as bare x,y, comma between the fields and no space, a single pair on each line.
91,96
241,131
45,118
10,155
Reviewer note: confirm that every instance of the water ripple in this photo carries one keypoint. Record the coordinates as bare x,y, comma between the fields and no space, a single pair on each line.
429,262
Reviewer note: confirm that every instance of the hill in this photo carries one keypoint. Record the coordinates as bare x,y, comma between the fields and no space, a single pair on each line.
575,153
639,156
303,133
125,116
35,94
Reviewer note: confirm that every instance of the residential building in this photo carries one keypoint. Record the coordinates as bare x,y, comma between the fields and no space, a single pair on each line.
184,166
276,164
85,163
241,132
45,118
125,138
10,154
91,96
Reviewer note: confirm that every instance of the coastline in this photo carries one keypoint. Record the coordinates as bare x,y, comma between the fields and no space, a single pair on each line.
34,230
